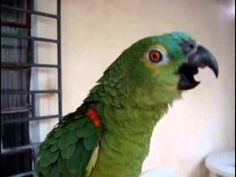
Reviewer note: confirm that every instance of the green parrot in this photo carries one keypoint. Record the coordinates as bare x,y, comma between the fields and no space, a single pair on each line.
109,134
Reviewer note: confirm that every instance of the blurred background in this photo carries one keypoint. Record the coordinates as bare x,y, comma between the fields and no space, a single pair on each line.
47,71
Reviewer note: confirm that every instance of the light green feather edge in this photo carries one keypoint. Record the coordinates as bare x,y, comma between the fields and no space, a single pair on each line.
92,161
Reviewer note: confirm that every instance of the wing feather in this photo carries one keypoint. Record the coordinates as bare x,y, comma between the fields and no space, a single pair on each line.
68,150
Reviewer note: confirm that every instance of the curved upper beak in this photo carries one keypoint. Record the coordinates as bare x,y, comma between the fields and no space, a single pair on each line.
200,57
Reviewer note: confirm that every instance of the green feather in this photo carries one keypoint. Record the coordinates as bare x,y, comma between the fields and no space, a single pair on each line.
90,142
85,132
67,139
68,152
53,148
62,166
78,162
55,171
48,158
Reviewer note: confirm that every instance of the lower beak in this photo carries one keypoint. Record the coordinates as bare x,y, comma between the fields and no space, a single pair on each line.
200,58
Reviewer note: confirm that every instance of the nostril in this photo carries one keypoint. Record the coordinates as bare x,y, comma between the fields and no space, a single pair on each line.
189,46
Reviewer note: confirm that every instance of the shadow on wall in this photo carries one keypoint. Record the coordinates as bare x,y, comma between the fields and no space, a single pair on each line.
200,170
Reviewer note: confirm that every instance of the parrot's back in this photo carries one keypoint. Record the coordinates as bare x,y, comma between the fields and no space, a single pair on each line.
68,149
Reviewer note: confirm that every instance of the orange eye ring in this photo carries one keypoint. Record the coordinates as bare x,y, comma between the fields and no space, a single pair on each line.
155,56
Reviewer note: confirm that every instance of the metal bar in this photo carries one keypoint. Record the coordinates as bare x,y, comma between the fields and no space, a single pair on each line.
25,65
34,163
37,118
14,110
30,60
25,174
5,46
34,12
29,43
14,24
31,46
18,149
59,57
33,104
29,38
28,92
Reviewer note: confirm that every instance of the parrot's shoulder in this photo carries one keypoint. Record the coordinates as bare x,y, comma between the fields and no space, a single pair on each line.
72,147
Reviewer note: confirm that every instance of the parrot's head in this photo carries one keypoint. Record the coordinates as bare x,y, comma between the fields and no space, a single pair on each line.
161,67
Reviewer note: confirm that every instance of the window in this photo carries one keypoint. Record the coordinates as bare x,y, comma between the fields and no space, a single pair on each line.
21,92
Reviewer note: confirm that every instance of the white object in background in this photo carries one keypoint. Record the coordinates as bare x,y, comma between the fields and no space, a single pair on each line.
159,173
222,163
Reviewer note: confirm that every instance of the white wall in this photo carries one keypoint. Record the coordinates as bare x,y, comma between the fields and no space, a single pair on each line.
94,33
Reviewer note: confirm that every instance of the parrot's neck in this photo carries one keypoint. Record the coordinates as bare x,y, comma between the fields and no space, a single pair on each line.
128,115
126,140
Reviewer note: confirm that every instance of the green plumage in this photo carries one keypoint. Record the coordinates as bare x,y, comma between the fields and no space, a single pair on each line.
68,148
130,98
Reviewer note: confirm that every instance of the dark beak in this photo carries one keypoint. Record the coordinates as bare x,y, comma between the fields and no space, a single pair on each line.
199,57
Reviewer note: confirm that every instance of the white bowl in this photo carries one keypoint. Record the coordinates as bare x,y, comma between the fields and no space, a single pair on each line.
222,163
159,173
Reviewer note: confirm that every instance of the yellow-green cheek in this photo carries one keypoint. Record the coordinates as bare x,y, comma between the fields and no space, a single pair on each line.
152,67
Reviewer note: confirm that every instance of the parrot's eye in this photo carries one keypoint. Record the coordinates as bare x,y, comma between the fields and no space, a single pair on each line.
155,56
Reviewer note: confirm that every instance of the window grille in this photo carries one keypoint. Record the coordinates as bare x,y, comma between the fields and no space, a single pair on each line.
18,99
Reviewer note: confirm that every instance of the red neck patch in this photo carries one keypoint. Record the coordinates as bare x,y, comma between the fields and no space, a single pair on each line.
93,115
